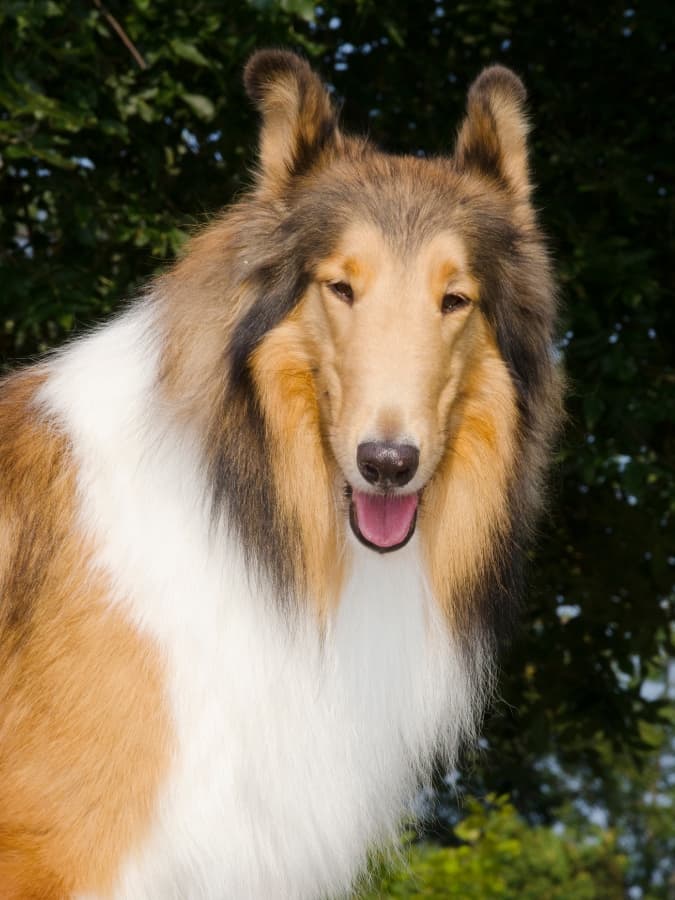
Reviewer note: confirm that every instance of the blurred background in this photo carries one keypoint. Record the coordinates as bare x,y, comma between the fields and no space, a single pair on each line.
123,126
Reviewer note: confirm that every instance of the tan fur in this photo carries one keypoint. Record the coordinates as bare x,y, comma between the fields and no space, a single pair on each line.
195,294
391,366
463,510
278,140
83,729
295,109
496,127
306,476
392,353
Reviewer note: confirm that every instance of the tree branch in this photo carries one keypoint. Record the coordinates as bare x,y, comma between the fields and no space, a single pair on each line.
121,33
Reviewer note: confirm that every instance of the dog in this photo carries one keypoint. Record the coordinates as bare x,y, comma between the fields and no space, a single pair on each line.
261,535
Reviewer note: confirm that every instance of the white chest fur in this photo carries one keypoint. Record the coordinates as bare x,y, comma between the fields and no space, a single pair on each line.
293,754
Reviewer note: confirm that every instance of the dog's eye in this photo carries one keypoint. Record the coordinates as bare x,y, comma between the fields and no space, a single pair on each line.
453,302
342,290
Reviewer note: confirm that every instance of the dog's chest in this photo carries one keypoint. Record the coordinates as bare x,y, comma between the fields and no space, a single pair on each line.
293,755
293,752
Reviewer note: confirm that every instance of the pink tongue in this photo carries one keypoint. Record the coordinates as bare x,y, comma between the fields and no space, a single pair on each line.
384,521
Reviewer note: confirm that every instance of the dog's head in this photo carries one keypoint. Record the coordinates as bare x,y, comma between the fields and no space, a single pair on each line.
387,324
417,290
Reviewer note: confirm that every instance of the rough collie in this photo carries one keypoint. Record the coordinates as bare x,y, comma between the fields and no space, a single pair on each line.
260,535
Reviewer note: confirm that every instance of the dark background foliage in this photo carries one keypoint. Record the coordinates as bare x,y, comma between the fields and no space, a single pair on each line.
122,127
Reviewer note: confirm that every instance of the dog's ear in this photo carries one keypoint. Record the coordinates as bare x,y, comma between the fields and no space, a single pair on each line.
299,122
493,137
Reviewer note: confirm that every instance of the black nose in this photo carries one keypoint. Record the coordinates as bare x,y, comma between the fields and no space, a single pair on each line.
387,465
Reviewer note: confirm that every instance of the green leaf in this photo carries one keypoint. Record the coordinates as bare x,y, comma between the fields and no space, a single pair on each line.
200,105
26,151
189,52
303,8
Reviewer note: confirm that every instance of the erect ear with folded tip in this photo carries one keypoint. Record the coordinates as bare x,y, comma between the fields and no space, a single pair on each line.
299,123
493,136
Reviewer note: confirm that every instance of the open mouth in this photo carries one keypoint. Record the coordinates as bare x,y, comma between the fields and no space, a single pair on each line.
383,522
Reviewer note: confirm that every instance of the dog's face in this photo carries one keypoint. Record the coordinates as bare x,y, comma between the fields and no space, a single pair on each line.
394,330
398,254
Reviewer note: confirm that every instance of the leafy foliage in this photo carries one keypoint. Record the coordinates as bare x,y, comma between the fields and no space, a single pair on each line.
107,164
500,857
122,126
